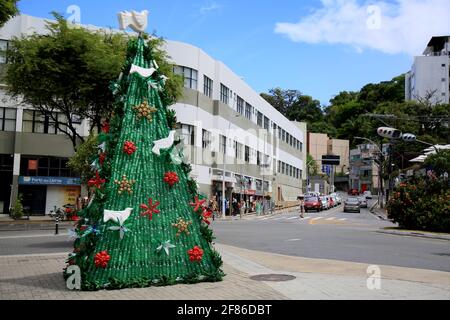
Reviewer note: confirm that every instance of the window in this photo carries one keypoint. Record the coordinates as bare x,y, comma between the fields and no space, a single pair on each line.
301,173
7,119
189,74
266,123
260,119
3,48
266,186
240,105
238,150
279,166
47,167
248,111
206,139
207,86
266,160
258,158
224,94
301,146
36,122
283,168
187,134
283,135
279,133
274,129
223,144
247,154
258,184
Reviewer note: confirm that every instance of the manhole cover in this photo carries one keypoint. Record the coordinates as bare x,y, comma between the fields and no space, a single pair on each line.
272,277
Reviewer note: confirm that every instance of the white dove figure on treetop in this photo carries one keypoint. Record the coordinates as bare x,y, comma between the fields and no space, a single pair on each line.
135,20
165,143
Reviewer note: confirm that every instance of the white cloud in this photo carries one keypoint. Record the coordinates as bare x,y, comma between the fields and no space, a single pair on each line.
398,26
208,8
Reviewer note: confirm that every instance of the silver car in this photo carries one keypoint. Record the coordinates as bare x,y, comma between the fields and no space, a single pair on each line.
352,205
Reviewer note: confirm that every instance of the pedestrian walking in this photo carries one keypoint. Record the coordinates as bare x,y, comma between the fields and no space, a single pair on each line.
242,208
301,204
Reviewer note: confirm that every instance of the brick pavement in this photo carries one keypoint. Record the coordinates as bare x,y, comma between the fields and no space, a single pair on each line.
34,277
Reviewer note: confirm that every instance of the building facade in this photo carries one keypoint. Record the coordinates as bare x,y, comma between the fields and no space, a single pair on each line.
364,171
430,74
319,144
229,133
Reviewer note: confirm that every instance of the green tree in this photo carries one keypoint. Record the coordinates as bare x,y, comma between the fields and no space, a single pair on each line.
312,166
68,71
440,162
8,9
146,224
17,211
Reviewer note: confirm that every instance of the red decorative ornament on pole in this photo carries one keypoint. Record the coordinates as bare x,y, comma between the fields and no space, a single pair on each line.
102,158
195,254
105,127
101,259
171,178
97,181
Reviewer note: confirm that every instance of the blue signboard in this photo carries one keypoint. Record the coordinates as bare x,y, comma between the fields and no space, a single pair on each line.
326,169
58,181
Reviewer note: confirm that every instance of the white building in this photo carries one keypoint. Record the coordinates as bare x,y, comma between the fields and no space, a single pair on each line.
220,117
430,73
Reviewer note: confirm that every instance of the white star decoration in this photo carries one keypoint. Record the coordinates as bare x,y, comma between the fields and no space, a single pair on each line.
166,246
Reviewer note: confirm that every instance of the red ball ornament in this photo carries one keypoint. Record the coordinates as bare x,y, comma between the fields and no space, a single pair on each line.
195,254
129,147
171,178
101,259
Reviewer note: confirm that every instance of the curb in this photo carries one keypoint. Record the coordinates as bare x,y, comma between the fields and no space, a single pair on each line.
418,234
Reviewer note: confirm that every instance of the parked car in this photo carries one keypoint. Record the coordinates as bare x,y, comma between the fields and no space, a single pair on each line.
351,204
313,203
325,204
335,198
368,194
362,202
353,192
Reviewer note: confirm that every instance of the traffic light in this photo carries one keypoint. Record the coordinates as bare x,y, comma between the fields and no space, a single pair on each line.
389,133
409,137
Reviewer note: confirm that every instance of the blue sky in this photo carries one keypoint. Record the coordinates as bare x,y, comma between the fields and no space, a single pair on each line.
320,47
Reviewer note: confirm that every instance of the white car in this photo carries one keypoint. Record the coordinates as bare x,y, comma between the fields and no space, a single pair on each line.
368,194
362,202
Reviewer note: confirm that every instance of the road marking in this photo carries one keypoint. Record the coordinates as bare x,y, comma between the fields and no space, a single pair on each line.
34,255
291,218
292,240
317,218
332,218
306,218
35,236
343,219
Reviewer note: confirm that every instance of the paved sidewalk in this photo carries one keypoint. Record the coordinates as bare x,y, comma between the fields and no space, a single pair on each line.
331,279
40,277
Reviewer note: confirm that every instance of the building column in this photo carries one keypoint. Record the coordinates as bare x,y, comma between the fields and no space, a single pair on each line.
17,156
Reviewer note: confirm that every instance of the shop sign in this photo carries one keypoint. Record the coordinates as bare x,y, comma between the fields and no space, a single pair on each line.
250,192
58,181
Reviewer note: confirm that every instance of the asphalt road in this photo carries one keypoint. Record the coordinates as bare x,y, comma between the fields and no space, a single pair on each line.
333,234
330,234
